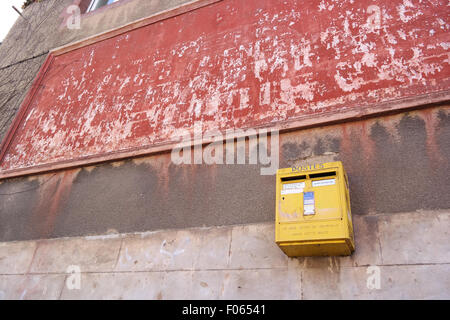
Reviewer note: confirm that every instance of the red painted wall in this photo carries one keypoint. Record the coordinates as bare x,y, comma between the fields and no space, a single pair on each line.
233,64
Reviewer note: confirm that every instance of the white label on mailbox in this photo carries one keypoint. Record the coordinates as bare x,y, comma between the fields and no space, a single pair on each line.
291,191
291,188
297,185
321,183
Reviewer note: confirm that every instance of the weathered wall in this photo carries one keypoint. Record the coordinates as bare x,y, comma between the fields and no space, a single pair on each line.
45,29
15,81
397,166
238,262
45,26
258,63
395,163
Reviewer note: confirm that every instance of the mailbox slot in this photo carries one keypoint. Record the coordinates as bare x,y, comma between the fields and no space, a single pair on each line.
322,175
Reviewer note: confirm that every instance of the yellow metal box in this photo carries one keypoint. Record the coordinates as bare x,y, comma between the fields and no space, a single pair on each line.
313,215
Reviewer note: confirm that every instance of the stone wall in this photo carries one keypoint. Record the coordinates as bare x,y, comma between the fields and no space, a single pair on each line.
411,251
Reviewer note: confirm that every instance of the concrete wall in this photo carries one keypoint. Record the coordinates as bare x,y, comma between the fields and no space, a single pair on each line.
236,262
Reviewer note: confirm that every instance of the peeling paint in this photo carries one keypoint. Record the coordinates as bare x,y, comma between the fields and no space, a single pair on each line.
241,64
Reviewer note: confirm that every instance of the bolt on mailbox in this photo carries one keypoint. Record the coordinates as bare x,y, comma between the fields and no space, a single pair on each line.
313,215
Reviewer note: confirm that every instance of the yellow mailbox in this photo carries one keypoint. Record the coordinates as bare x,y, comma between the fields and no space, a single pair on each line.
313,216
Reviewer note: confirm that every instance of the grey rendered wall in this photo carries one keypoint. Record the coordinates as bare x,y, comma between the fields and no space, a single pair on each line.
395,163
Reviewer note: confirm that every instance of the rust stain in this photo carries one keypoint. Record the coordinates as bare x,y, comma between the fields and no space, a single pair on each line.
367,143
163,173
433,151
52,196
368,148
346,147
